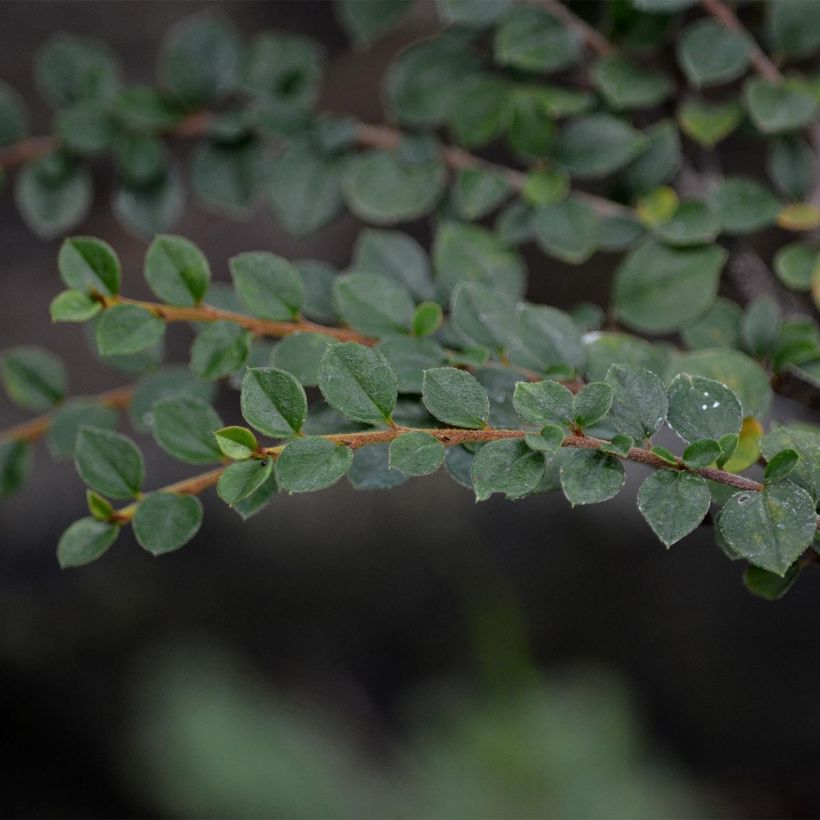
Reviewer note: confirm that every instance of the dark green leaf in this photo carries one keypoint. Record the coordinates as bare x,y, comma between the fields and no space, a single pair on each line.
242,479
760,326
33,378
711,54
778,107
13,115
258,499
673,503
184,427
312,464
300,354
770,585
533,40
273,402
14,466
702,453
177,270
618,348
85,541
164,522
455,397
507,466
744,205
590,476
693,223
373,304
226,177
476,13
625,85
485,316
367,20
150,208
268,285
793,27
109,463
549,440
702,408
477,192
409,358
791,163
85,129
619,446
804,440
591,403
416,453
89,264
547,338
568,230
659,163
396,255
639,401
371,469
176,380
598,144
781,465
219,350
546,402
66,423
125,329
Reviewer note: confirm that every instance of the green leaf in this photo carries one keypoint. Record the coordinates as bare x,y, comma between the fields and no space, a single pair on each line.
477,13
745,377
659,289
69,418
481,110
53,195
744,205
373,304
358,382
718,327
304,188
148,208
702,453
184,427
87,264
427,318
659,163
236,442
625,85
14,466
70,69
371,469
396,255
618,348
760,326
591,403
141,159
423,83
177,271
693,223
382,188
549,440
547,338
546,187
673,503
780,107
258,499
485,316
711,54
455,397
318,279
310,464
33,378
665,454
200,59
109,463
100,508
709,123
367,20
226,177
416,453
702,408
781,465
619,446
13,115
507,466
598,144
164,522
532,39
772,528
770,585
639,401
85,541
728,445
273,402
73,306
268,285
590,476
477,192
409,358
144,109
242,479
469,253
124,329
791,163
568,230
531,129
220,349
793,27
804,440
546,402
300,354
176,380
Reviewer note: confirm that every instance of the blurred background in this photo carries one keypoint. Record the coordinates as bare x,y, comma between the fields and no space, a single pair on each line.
354,654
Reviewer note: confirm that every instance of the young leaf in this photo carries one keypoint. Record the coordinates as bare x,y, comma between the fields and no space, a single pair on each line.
87,264
373,304
268,285
125,329
220,349
236,442
177,271
701,453
164,522
673,503
184,427
358,382
85,541
546,402
780,465
639,401
242,479
548,441
455,397
100,508
273,402
33,378
590,476
591,403
427,318
416,453
619,446
73,306
109,463
312,464
506,466
709,123
772,528
702,408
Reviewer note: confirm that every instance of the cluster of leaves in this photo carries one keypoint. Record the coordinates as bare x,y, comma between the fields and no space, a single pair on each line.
408,360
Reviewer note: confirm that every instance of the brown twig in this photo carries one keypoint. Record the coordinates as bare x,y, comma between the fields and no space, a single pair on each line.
727,18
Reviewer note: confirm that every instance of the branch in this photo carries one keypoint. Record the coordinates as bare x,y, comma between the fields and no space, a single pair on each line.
451,437
727,18
36,428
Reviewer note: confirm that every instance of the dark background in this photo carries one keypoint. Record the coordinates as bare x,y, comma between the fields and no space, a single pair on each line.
363,624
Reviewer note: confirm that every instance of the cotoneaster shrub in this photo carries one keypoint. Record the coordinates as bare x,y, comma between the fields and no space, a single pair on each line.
410,360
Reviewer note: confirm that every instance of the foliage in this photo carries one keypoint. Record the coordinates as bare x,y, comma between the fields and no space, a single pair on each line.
424,359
